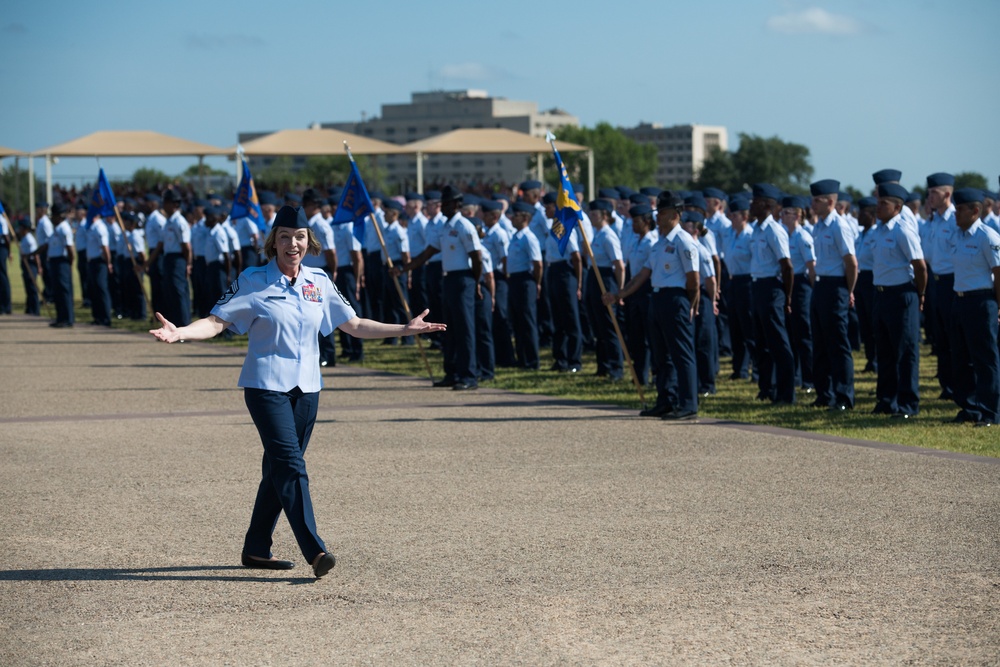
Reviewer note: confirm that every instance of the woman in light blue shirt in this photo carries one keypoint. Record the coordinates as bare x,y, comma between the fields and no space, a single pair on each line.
283,306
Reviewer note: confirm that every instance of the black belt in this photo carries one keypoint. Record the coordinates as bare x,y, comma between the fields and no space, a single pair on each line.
521,274
741,278
904,287
836,280
976,292
460,272
944,276
670,290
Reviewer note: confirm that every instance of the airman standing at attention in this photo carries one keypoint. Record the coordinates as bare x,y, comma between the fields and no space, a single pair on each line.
939,252
799,323
609,263
524,273
61,256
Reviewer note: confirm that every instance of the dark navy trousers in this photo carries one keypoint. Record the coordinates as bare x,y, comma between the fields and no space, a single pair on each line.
176,292
29,275
567,338
943,286
706,337
100,297
485,355
522,298
503,348
800,331
637,328
5,296
672,339
62,289
833,365
434,283
347,283
896,313
460,316
741,331
974,355
774,352
285,422
864,303
609,351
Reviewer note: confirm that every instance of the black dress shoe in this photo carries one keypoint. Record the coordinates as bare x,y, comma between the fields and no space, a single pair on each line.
324,565
839,407
819,404
464,386
680,416
445,382
261,564
983,424
962,417
656,411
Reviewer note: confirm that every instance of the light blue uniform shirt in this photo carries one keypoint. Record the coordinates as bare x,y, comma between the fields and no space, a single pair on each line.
866,249
833,240
175,232
324,234
801,250
154,228
768,248
607,248
671,258
137,239
909,220
28,245
396,242
62,238
97,238
550,249
371,236
706,267
540,226
709,241
992,221
345,242
639,253
81,236
941,239
432,235
245,230
977,253
508,226
618,223
415,233
496,241
43,230
895,246
199,238
738,251
719,225
458,239
283,322
217,245
114,236
234,239
522,251
487,261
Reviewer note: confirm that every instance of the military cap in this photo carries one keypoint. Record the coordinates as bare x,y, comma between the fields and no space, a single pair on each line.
414,196
471,200
650,190
624,192
912,197
310,196
267,197
24,223
432,195
41,203
739,204
500,196
894,190
608,193
550,198
794,201
887,176
171,195
827,186
522,207
696,199
968,196
845,196
292,197
866,202
58,208
490,205
335,191
668,199
531,185
766,191
293,218
601,205
392,205
940,179
715,193
638,198
640,209
450,193
128,216
152,197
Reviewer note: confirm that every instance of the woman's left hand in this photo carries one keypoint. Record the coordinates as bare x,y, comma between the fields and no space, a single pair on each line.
418,326
167,333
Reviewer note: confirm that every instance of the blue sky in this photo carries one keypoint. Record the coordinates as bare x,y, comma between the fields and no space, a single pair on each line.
866,85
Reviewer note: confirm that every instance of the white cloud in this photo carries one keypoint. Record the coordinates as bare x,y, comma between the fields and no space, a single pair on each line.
470,72
815,20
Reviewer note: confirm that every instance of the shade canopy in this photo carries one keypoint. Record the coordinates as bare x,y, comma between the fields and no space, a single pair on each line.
10,152
129,143
485,140
318,141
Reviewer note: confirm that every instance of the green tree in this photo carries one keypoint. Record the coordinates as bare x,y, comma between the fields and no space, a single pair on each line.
758,160
618,160
208,171
853,191
277,176
970,179
14,190
145,178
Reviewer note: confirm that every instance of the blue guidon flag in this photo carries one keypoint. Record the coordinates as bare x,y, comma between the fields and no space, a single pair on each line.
245,203
355,204
568,213
102,201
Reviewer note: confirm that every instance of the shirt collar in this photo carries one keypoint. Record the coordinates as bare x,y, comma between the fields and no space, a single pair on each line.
275,276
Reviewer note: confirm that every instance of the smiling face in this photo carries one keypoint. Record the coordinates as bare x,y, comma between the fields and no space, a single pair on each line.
290,247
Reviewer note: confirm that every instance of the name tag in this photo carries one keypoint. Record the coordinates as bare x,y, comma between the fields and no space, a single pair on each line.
276,297
312,293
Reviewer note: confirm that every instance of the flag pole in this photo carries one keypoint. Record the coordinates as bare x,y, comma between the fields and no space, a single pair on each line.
614,321
34,281
395,279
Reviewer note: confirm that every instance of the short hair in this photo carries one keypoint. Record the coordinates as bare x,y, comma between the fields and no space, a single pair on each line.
270,251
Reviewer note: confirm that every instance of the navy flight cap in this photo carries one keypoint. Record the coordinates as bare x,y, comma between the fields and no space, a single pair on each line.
766,191
293,218
668,199
490,205
968,196
866,202
894,190
392,205
827,186
887,176
640,209
601,205
522,207
940,179
608,193
715,193
531,185
794,201
432,195
739,204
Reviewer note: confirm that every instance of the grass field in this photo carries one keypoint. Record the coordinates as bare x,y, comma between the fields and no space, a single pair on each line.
734,400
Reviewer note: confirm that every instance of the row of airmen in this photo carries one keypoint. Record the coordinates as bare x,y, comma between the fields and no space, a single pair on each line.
621,244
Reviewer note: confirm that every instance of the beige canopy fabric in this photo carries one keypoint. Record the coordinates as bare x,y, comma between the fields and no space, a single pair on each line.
129,143
485,140
316,142
10,152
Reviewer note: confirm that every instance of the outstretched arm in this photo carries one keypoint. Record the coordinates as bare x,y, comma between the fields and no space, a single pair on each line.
202,329
363,328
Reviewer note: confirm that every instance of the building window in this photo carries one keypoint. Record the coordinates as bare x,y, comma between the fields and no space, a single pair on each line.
390,130
411,130
368,132
434,129
480,163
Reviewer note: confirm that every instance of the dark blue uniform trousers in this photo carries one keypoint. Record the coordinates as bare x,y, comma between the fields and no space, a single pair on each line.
485,357
5,296
567,339
833,365
976,362
393,308
637,328
609,350
774,352
100,297
373,287
285,421
672,339
741,331
347,283
62,288
176,293
502,345
29,275
943,286
460,316
434,283
896,312
706,337
864,303
800,331
522,298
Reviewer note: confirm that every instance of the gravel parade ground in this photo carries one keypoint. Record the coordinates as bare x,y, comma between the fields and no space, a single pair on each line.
470,527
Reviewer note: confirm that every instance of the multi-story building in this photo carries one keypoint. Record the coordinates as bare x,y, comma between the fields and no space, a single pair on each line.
680,150
432,113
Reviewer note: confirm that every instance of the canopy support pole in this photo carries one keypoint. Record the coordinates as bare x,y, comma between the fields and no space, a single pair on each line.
540,173
48,179
31,188
591,192
420,172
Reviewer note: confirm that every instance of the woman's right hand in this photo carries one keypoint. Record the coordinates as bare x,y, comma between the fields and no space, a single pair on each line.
167,333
